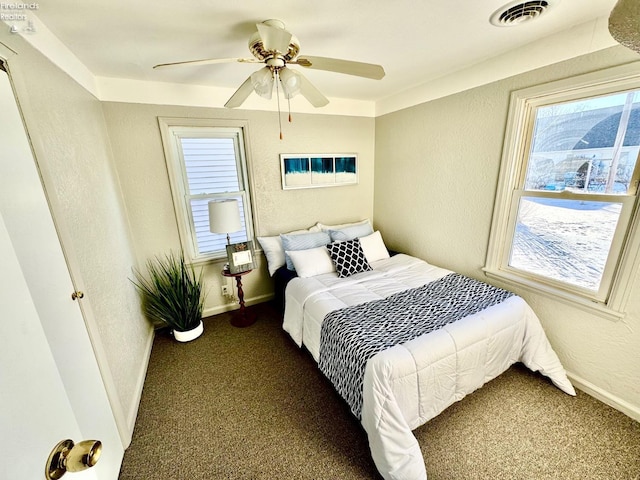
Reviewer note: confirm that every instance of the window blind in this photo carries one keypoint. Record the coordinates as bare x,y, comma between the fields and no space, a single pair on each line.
212,171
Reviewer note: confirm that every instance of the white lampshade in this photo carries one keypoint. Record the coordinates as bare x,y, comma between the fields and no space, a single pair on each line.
224,216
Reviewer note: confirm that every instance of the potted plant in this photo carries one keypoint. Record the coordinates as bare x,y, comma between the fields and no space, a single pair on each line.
172,295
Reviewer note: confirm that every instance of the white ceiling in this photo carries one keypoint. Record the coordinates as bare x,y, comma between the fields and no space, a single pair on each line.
414,40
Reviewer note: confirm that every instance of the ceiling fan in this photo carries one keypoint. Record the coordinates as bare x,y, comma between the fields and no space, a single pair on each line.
274,46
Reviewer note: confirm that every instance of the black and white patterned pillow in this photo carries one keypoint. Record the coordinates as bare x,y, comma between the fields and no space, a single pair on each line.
348,257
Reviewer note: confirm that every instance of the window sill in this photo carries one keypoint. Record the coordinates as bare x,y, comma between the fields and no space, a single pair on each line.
202,262
597,308
221,260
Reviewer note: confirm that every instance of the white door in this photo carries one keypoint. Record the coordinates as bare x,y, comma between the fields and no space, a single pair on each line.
50,383
35,413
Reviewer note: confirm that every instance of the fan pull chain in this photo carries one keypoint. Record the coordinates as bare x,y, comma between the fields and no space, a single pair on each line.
289,106
278,98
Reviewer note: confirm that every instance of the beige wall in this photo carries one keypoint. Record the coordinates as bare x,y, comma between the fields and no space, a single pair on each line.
436,176
69,137
137,146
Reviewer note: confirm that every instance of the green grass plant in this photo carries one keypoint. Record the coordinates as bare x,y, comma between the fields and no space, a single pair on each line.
171,291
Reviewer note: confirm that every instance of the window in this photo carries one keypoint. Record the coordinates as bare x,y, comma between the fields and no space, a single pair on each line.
564,215
206,162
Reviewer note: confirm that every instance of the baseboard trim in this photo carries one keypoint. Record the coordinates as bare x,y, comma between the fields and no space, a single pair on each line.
218,309
613,401
137,398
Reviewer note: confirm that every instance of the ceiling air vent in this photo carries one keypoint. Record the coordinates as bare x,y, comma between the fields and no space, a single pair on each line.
515,13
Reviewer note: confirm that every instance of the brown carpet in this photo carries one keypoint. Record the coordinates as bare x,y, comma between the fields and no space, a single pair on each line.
248,404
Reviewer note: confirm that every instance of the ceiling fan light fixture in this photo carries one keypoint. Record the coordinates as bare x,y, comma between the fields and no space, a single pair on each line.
290,81
519,12
262,82
276,47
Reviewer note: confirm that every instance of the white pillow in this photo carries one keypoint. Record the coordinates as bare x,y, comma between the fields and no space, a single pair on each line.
273,250
374,247
311,262
326,228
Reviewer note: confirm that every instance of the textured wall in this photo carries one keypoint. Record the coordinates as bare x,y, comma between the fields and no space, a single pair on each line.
624,24
137,147
437,163
67,129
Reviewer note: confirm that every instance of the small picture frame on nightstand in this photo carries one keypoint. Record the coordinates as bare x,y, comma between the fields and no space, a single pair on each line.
240,257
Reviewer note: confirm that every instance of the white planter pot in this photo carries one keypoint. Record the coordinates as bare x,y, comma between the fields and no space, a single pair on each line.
189,334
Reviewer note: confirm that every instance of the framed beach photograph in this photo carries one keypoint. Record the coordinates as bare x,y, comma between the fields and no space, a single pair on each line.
318,170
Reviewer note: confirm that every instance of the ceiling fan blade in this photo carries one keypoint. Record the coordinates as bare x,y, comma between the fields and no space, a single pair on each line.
240,94
207,61
311,93
359,69
274,38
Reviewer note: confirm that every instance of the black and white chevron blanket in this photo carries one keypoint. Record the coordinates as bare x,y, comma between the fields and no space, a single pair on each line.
350,336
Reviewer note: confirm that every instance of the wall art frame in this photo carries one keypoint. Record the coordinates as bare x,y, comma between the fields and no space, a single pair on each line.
303,170
241,257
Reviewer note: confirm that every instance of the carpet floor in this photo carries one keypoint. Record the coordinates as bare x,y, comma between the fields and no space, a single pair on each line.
247,403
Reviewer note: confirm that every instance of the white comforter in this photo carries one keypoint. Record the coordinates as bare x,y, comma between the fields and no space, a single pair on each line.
407,385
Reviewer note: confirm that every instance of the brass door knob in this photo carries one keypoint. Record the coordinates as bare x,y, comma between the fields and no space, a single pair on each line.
69,457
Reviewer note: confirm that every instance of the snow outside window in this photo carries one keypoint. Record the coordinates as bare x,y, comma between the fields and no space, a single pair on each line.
565,209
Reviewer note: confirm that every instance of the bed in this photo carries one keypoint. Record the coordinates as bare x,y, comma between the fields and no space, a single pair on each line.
397,387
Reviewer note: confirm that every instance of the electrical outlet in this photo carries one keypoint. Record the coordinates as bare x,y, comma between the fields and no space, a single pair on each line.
225,290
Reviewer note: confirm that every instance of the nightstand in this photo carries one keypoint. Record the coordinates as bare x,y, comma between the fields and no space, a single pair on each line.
241,318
